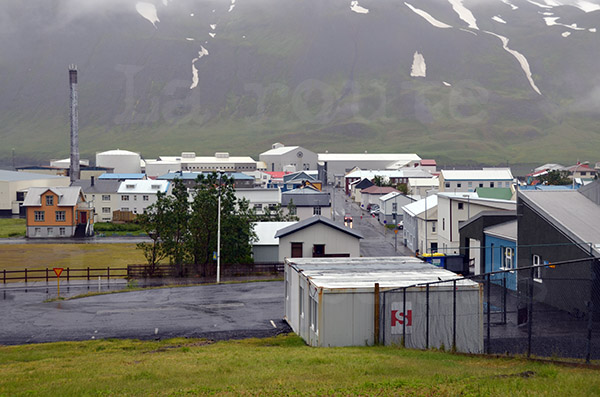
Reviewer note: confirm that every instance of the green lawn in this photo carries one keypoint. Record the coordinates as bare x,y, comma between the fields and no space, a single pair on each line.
275,366
12,227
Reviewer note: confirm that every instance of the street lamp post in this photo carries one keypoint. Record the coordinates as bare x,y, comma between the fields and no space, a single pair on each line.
219,231
575,171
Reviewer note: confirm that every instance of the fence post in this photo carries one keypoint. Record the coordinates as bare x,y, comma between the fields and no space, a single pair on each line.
488,314
530,312
454,316
504,292
108,273
404,317
376,315
25,275
46,275
4,276
88,273
427,319
588,353
68,273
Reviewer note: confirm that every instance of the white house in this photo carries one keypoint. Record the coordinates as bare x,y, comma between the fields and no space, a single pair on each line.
390,207
318,237
470,180
137,195
454,208
308,202
259,199
285,158
420,225
423,186
103,195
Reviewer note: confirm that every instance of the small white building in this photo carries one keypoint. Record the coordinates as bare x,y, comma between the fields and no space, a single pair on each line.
423,186
470,180
331,302
288,158
390,207
266,247
318,237
122,161
137,195
259,199
420,225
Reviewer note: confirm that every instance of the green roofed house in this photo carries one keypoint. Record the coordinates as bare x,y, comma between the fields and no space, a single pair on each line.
499,193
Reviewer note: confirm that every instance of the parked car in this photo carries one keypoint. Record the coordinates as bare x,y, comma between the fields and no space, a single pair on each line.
348,221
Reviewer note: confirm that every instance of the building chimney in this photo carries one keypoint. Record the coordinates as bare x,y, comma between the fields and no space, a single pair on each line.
74,166
92,181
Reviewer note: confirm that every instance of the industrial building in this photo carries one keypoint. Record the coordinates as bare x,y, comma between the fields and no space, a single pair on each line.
288,158
188,161
122,161
14,185
332,302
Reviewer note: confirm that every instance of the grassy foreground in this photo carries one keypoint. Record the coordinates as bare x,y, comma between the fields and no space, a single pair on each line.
40,256
282,365
12,227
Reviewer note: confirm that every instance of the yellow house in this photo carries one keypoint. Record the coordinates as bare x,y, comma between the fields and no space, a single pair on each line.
58,212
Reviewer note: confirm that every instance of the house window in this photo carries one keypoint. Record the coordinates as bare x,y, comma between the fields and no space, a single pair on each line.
135,197
145,197
394,207
293,211
62,231
50,231
258,207
60,216
461,206
301,301
447,184
155,187
433,227
316,210
443,223
49,200
39,216
470,184
106,197
37,231
481,185
20,196
491,184
106,210
537,272
318,250
296,250
313,314
125,197
507,262
459,185
125,209
130,186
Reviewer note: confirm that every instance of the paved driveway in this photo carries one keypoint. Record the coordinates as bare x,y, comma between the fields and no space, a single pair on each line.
214,311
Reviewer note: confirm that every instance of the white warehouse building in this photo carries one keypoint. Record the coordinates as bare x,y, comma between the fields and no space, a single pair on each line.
332,302
288,158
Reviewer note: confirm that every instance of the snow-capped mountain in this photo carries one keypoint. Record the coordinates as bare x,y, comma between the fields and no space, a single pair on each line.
466,80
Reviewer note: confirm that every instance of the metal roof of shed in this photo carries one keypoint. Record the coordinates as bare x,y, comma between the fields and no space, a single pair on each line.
13,176
363,273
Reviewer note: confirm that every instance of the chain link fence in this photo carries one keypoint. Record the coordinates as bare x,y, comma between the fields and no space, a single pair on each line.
550,310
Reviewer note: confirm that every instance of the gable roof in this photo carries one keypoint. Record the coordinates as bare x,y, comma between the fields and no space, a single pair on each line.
418,207
265,232
314,220
363,184
299,176
306,198
570,212
67,196
100,186
143,186
379,190
506,230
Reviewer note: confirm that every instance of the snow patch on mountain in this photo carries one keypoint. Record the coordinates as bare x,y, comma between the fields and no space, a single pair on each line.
358,9
419,68
213,26
551,21
464,13
565,34
446,84
508,3
189,38
212,35
593,30
498,19
587,6
147,11
520,58
231,6
539,4
201,53
428,17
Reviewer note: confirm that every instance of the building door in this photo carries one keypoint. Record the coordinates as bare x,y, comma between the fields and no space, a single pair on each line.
296,250
434,248
83,216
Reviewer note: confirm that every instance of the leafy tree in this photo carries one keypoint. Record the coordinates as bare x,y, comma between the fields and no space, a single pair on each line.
277,214
154,222
177,228
403,188
556,178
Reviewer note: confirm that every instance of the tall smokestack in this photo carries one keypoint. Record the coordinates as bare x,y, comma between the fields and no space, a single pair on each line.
74,168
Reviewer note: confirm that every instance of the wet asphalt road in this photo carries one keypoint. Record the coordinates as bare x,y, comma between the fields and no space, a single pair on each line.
378,241
226,311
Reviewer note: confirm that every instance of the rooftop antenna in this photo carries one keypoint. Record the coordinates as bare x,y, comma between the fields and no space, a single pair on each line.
74,164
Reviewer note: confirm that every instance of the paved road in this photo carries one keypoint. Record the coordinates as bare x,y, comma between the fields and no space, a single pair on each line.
214,311
377,240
